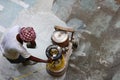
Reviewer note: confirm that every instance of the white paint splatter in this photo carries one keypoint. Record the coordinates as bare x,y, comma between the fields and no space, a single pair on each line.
1,7
21,3
2,29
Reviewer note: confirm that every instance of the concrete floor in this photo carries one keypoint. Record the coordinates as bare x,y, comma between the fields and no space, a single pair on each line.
102,48
43,21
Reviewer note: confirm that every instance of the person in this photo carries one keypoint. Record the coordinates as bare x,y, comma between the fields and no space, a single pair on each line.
13,49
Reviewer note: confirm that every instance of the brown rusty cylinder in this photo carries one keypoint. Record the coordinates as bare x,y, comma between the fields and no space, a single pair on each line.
60,38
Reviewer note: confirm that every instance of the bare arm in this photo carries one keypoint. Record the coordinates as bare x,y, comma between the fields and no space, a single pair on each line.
38,59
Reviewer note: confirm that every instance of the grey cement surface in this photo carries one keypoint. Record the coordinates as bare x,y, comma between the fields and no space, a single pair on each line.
101,59
102,51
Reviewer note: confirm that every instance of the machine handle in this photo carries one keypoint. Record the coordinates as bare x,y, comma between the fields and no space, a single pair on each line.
64,28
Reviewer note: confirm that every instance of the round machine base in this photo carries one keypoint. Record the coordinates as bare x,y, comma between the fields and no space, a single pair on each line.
56,74
57,68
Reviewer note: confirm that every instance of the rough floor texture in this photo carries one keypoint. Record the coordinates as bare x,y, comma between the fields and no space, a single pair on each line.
102,58
97,58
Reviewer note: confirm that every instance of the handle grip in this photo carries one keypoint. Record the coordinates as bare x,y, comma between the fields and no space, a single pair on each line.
64,28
